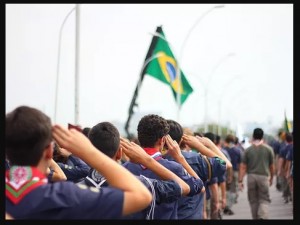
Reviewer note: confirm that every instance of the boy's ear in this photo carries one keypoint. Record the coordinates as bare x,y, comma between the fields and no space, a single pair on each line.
181,143
161,141
119,153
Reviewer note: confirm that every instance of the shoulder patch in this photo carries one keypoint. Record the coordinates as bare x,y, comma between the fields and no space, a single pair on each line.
68,167
82,186
94,189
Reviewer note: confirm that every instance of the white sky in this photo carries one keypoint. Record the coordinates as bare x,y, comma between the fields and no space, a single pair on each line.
254,85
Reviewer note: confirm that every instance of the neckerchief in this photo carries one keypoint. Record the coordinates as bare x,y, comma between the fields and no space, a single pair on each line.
21,180
154,153
96,178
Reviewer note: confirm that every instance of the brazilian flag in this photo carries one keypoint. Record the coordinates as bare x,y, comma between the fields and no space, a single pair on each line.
287,125
164,67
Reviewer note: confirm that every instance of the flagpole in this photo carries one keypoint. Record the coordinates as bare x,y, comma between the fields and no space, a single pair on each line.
138,86
148,59
77,58
286,122
58,62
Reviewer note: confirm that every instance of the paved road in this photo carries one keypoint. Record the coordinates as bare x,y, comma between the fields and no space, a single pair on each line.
278,210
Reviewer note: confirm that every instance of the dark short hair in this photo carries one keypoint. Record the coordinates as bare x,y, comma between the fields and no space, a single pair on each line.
236,140
176,130
258,134
198,134
105,137
86,131
28,131
210,136
150,128
218,139
289,137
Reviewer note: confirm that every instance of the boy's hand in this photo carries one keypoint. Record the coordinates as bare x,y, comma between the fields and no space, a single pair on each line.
190,140
173,147
205,141
135,152
72,140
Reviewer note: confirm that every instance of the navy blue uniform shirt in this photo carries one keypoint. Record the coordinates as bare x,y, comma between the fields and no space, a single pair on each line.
75,169
163,191
167,210
66,200
235,156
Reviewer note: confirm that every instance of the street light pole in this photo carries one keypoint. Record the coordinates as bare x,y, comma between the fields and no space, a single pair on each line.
77,58
222,60
58,61
203,84
183,46
195,24
242,91
220,101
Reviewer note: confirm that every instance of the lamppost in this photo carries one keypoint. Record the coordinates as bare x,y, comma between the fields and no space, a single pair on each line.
58,61
222,60
77,38
184,43
77,60
240,94
195,24
223,93
202,88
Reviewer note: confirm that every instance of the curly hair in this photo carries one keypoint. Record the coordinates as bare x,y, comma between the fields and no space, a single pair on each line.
150,128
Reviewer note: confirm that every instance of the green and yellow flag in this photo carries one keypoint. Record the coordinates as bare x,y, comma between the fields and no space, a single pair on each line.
163,66
287,124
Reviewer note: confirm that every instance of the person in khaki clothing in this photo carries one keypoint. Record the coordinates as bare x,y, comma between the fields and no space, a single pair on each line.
258,163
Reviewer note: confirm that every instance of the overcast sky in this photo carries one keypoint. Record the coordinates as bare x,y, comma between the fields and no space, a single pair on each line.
245,49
